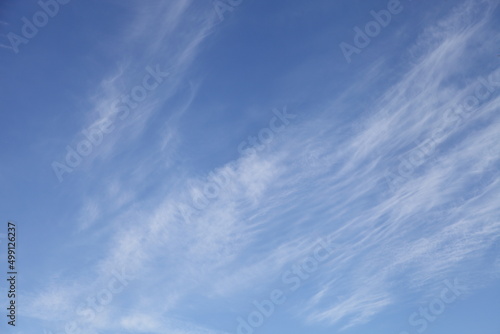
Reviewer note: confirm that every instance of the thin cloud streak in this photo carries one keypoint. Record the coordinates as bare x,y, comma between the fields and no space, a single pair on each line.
278,201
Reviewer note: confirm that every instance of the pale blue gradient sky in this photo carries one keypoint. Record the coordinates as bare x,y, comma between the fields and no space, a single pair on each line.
251,142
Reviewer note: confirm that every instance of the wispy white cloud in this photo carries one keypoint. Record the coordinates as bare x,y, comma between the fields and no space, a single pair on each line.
152,39
315,182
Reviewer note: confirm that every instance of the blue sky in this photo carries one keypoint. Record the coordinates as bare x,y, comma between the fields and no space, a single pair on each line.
241,166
